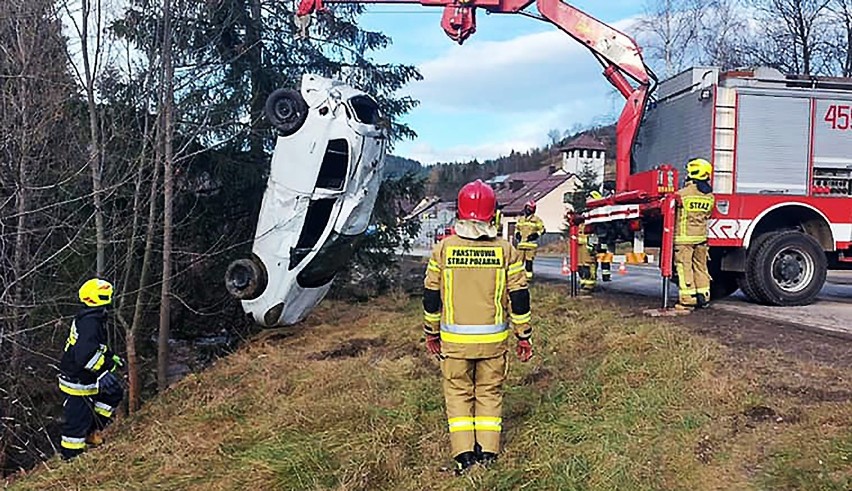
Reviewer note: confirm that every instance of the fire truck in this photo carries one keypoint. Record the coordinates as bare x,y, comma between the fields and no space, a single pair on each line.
781,148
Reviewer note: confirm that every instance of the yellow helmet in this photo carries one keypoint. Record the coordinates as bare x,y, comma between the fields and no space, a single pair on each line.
699,169
96,292
595,195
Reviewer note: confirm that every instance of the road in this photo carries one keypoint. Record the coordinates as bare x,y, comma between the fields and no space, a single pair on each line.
832,312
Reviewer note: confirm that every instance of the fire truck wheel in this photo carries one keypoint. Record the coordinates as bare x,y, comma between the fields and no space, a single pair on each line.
748,281
245,279
790,269
286,110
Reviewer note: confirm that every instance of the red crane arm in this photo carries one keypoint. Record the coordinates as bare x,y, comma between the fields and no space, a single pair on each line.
619,54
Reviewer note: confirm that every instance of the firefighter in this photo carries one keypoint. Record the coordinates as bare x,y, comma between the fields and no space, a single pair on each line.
471,280
92,390
690,252
527,232
588,265
602,254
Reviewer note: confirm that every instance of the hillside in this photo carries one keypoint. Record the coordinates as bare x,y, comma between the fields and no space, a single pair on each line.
610,401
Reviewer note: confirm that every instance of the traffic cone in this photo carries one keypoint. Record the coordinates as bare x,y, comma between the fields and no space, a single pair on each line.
622,269
566,270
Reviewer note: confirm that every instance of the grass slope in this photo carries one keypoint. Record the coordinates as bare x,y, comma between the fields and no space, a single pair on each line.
610,401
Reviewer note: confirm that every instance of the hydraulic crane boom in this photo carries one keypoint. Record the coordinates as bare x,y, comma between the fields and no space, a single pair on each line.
617,52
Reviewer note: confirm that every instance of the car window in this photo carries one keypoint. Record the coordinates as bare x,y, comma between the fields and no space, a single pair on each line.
332,257
316,220
366,110
335,163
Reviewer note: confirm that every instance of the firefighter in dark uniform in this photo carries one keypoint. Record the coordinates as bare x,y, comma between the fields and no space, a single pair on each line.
475,283
92,390
528,231
690,242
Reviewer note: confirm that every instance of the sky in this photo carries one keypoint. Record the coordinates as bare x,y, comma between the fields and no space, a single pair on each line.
514,80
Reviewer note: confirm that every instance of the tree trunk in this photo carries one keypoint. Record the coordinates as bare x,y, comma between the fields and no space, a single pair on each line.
254,39
95,161
168,191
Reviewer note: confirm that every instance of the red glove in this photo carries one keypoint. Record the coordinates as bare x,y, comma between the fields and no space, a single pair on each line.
433,344
524,350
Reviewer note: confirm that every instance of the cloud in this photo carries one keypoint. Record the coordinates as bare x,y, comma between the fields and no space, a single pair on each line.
487,98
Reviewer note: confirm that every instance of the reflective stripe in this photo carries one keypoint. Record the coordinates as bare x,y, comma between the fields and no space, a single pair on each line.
474,338
527,245
474,329
73,443
500,285
433,266
104,409
521,318
73,389
448,295
436,317
463,423
516,268
488,423
95,363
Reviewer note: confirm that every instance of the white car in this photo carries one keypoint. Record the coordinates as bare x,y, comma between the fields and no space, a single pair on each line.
325,175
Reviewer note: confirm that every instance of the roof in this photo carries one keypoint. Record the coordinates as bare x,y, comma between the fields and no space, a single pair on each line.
521,187
584,142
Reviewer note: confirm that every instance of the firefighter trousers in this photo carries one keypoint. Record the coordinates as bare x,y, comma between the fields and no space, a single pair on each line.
692,274
589,276
83,415
527,256
473,390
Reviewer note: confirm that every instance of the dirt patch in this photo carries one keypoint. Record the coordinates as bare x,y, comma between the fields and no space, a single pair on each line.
348,349
744,334
704,450
811,394
540,377
760,414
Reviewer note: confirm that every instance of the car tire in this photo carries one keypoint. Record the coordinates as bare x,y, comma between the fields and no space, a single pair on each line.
286,110
245,279
789,269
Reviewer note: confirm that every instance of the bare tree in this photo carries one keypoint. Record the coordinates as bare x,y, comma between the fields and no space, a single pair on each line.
841,41
669,30
723,31
167,102
88,20
793,36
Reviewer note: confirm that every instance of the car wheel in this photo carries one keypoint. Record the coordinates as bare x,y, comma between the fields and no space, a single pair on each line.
245,279
286,110
747,281
790,269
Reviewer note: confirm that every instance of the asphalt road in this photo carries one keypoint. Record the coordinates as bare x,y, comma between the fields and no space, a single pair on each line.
831,312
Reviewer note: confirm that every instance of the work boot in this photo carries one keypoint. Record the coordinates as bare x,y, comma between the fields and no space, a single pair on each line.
464,461
95,438
487,458
701,301
684,307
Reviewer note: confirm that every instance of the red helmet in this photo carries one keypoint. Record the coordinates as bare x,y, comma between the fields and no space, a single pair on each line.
531,205
477,201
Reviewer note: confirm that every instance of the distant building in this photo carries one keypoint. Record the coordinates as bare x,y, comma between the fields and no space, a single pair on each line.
582,151
552,189
433,222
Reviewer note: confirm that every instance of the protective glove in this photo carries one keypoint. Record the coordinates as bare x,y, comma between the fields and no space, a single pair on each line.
524,350
433,344
517,236
117,362
533,237
108,383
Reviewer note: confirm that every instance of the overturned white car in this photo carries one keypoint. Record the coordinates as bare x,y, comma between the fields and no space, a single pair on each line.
325,175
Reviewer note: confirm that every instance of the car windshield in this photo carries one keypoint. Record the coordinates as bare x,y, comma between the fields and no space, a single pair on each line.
332,257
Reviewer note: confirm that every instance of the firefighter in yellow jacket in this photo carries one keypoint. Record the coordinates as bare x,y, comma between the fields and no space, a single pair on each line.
691,253
528,230
471,280
587,262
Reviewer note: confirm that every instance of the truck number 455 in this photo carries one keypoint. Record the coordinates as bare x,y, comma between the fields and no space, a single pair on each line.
840,117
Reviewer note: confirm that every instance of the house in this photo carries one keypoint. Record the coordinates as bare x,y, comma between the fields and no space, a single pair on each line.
583,151
552,189
433,223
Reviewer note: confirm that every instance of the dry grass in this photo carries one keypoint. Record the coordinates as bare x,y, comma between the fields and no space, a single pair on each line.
611,401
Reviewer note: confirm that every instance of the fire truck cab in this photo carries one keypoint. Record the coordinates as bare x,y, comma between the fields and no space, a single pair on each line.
781,147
